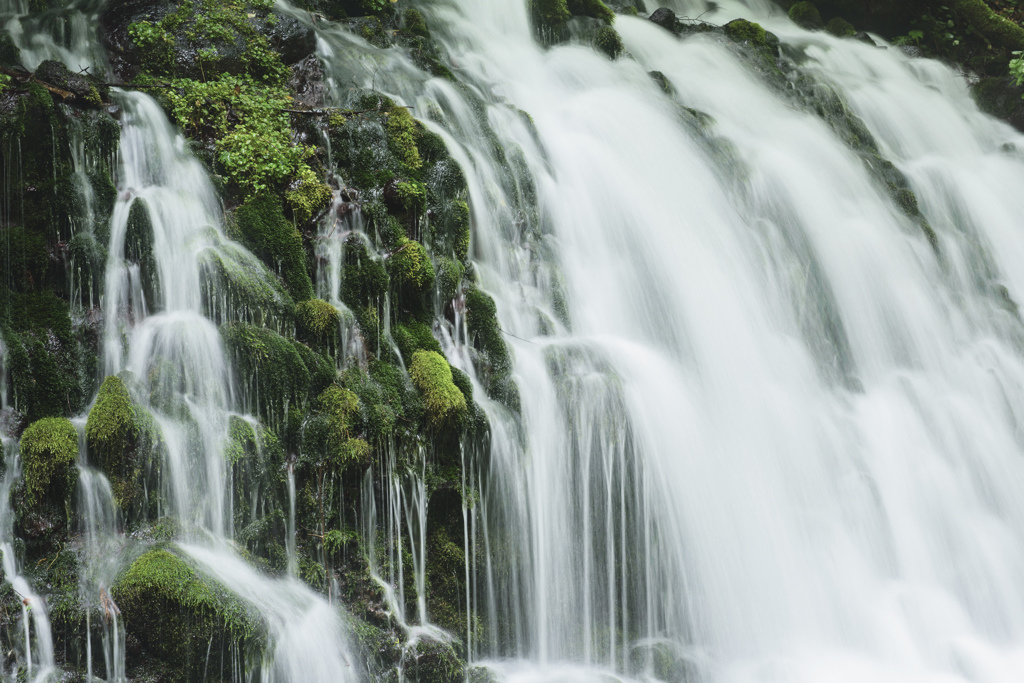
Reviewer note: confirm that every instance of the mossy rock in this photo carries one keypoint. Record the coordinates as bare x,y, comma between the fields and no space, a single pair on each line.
412,274
332,436
445,404
493,365
125,441
805,15
607,41
183,619
840,28
414,336
549,15
239,287
595,9
317,323
49,451
263,228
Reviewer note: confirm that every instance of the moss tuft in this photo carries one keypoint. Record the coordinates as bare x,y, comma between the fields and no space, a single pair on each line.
317,322
431,374
265,231
411,272
591,8
840,28
49,449
413,336
402,136
805,15
307,195
608,41
181,617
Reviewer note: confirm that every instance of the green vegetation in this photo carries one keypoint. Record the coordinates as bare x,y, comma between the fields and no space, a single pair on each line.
317,322
180,617
805,15
608,41
430,372
262,228
840,27
591,8
49,449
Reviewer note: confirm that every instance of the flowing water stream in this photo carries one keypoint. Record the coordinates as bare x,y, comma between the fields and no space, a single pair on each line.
770,430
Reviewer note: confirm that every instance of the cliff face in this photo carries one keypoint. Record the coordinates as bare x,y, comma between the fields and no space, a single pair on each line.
339,273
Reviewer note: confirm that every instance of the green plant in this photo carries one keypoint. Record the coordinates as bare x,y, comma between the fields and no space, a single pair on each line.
1017,68
49,449
446,405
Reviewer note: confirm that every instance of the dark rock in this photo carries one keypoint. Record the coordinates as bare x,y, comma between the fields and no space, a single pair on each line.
665,18
290,38
1002,98
55,73
113,31
863,37
307,82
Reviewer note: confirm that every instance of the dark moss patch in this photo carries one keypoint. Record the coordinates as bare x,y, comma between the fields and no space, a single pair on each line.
263,228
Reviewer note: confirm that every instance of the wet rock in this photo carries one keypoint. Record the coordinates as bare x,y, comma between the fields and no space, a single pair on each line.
1002,98
665,18
291,39
55,73
306,82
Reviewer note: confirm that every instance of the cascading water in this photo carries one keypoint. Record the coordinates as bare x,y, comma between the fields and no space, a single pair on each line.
171,338
779,441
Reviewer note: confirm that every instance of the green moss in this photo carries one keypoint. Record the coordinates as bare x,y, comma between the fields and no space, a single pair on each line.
271,370
265,231
10,55
181,618
805,15
308,195
549,14
413,336
431,374
448,278
402,137
317,322
331,434
411,271
997,30
415,24
743,31
493,367
607,40
238,286
590,8
124,441
840,28
49,450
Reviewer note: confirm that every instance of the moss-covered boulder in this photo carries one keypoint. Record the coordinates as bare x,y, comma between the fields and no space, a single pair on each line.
339,411
184,620
262,228
493,364
414,336
608,41
412,274
49,451
317,323
446,406
805,15
125,442
840,28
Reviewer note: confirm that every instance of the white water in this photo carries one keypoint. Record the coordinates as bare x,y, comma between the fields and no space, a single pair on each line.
33,650
176,345
781,441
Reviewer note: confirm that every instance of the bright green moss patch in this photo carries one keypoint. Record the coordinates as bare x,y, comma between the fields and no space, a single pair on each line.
49,449
402,136
181,617
741,30
307,195
413,336
411,270
430,372
317,322
111,426
263,228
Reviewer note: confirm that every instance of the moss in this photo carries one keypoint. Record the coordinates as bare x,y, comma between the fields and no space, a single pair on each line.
448,278
591,8
549,14
181,618
805,15
607,40
238,286
431,374
494,366
317,323
413,336
10,54
265,231
840,28
415,24
402,137
743,31
364,280
49,450
270,368
125,442
329,439
411,271
999,31
307,196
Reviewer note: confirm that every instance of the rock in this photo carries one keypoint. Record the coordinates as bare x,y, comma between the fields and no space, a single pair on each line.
55,73
1002,98
294,41
805,15
307,82
863,37
665,18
